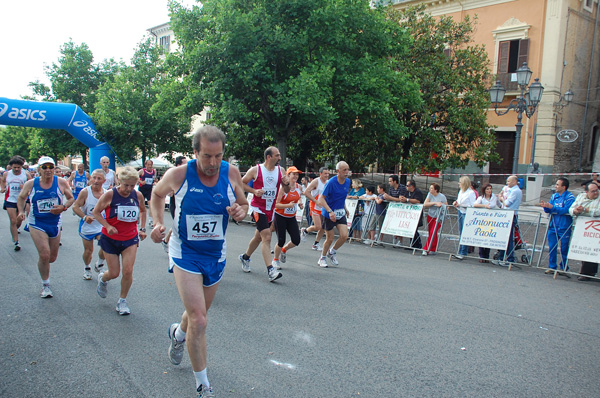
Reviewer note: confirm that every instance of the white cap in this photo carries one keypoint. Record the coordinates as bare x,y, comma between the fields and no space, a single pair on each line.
46,159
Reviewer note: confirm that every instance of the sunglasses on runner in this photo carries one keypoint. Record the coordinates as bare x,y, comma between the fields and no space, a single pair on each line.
47,166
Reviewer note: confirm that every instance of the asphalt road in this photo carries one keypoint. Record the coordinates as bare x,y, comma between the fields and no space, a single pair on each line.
384,323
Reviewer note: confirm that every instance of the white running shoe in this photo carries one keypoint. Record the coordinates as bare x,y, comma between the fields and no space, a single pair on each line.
46,292
303,234
424,253
317,247
87,274
17,248
205,392
102,288
122,308
176,347
283,257
245,264
275,264
274,274
322,262
332,258
368,242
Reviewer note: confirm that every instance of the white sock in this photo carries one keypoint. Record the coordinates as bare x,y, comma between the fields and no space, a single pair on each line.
100,261
201,378
332,251
179,334
46,282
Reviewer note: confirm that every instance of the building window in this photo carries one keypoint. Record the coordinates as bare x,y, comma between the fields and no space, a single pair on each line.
594,139
165,42
588,5
512,54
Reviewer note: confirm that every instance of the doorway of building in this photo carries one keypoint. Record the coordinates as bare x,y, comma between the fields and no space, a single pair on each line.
505,148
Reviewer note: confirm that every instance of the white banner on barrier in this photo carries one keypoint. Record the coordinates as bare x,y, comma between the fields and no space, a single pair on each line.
351,205
585,240
401,219
249,199
487,228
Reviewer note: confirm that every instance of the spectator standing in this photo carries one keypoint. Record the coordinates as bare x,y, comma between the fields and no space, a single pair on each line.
380,208
396,190
415,197
466,198
368,219
487,200
511,201
559,230
435,202
357,191
587,204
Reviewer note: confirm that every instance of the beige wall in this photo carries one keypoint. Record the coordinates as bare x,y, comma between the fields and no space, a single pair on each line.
559,31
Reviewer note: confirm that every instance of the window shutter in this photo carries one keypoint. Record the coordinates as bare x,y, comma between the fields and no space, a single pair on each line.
503,55
523,52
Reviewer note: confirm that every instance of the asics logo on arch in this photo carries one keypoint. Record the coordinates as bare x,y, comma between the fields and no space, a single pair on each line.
80,123
84,125
22,114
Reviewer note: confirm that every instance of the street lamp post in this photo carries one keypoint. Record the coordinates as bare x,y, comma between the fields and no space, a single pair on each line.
526,103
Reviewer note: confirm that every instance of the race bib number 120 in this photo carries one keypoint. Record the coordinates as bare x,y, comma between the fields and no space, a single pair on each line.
204,226
128,213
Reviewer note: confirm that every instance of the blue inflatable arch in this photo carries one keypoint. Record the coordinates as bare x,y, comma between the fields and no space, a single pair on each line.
57,115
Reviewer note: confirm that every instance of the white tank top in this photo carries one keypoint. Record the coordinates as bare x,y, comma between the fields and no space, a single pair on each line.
90,202
110,179
318,191
14,184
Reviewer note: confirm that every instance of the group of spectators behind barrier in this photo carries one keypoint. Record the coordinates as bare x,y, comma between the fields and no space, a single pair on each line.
530,247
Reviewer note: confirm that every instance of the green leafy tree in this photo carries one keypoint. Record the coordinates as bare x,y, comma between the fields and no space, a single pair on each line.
75,78
14,141
451,126
129,114
317,78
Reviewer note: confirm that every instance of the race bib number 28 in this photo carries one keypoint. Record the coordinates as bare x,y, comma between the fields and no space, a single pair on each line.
204,226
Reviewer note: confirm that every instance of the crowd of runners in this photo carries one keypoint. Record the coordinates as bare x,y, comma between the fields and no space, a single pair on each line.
206,193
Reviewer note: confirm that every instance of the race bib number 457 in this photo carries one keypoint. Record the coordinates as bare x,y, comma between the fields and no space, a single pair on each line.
204,226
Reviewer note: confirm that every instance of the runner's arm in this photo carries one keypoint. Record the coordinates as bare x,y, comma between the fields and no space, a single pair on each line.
79,203
239,209
22,198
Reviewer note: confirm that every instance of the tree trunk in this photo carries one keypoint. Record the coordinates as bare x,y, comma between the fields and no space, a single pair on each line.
282,146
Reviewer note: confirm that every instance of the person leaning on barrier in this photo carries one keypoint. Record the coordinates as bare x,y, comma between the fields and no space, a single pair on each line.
586,204
560,224
396,190
380,208
434,202
415,197
368,220
594,180
357,191
511,201
487,200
